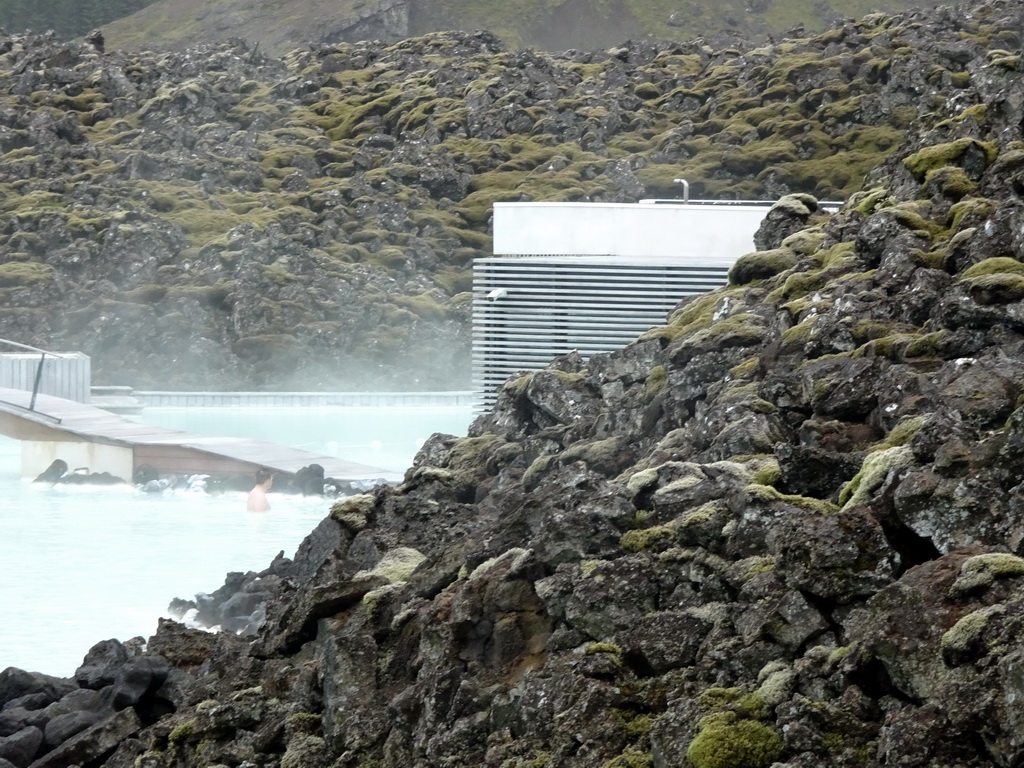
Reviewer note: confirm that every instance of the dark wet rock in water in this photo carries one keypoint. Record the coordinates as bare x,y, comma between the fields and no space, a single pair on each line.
309,480
53,473
91,478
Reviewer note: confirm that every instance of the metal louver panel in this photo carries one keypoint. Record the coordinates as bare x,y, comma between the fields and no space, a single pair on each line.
551,305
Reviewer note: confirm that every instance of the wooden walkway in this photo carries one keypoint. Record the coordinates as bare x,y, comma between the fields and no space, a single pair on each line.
57,420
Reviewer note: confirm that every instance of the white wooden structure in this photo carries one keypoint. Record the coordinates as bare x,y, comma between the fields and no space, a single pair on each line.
83,435
591,277
67,375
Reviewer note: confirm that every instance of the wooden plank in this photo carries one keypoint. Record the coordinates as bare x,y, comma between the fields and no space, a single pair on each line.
58,420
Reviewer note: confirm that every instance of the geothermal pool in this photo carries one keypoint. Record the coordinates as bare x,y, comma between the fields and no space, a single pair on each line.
79,565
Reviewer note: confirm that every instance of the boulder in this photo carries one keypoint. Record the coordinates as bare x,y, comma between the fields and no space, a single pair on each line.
15,683
135,679
94,742
100,666
21,747
63,727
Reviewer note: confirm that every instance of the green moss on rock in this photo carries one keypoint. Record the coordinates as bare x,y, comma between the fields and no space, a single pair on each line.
998,280
396,566
701,526
633,757
642,480
964,639
760,265
969,212
656,381
902,433
951,181
303,722
304,751
648,538
647,91
726,741
603,456
766,471
742,330
20,274
537,468
183,732
981,571
998,265
746,368
602,648
873,471
352,512
930,158
870,200
423,306
806,241
755,566
767,493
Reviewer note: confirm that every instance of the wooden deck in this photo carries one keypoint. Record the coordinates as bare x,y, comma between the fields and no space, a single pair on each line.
55,420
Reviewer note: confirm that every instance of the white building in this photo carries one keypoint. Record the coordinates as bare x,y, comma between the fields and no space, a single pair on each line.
591,277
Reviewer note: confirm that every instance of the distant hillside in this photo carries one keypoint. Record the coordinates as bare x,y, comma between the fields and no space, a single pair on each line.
221,218
69,18
543,24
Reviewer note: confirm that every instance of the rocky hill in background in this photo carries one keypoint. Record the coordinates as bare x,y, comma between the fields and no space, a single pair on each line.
217,218
783,530
541,24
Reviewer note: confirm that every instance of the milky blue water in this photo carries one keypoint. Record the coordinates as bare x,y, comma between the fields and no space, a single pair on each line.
385,437
79,565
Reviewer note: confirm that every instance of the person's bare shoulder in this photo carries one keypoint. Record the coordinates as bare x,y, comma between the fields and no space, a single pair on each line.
257,501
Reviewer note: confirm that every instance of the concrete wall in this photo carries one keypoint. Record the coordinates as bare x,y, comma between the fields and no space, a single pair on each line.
705,233
36,456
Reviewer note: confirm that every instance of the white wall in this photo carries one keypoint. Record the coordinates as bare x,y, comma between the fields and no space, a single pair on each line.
37,455
712,235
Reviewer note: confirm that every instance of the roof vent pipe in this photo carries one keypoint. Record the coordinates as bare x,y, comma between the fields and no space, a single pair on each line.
686,189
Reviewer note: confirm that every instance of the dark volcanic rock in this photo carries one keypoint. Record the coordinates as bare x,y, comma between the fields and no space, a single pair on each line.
101,664
21,747
94,742
63,727
135,678
15,683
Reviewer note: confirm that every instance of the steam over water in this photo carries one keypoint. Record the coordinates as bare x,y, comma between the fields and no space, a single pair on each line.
79,564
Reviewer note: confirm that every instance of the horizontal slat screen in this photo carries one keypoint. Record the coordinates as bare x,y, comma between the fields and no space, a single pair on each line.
554,304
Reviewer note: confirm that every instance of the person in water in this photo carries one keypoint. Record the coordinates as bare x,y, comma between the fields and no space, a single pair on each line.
257,501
